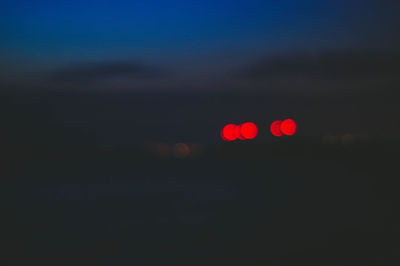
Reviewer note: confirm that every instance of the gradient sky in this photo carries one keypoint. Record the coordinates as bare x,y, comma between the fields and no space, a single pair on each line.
195,44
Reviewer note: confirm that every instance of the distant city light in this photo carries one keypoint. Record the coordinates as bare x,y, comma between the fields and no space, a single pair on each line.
288,127
248,130
276,128
229,132
238,133
181,150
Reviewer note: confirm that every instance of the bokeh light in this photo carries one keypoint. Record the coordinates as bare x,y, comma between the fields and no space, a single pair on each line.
288,127
181,150
229,132
238,134
248,130
276,128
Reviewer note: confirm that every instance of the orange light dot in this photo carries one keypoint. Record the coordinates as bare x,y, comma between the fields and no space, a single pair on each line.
288,127
248,130
276,128
229,132
181,150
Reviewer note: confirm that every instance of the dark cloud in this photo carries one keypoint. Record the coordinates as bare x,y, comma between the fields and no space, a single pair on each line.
99,72
338,66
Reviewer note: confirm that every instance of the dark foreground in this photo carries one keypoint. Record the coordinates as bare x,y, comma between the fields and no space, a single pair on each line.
236,205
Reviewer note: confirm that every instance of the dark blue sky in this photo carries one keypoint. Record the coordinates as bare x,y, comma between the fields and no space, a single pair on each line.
195,44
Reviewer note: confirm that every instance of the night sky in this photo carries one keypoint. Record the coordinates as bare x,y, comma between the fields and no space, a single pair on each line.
185,45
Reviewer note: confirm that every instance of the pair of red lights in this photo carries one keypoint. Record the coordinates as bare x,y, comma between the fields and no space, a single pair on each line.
246,130
249,130
286,127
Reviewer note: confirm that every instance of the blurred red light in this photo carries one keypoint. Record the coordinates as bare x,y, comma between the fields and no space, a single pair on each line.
248,130
276,128
238,133
288,127
229,132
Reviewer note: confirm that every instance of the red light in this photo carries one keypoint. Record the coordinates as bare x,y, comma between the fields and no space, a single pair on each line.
248,130
276,128
238,134
288,127
229,132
